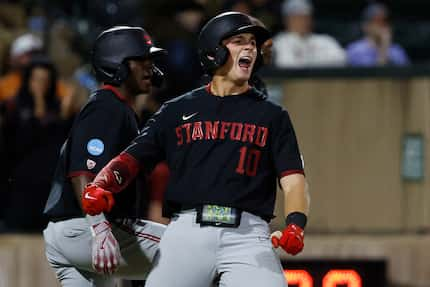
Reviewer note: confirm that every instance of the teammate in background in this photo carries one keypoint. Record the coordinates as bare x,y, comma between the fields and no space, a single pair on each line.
226,146
76,246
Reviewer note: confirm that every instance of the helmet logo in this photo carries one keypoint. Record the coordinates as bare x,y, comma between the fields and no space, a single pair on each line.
147,39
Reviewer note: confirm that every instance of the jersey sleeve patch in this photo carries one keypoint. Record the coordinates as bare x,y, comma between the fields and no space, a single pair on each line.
91,164
95,147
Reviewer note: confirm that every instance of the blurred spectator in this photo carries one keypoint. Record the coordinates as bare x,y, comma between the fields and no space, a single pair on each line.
107,13
242,6
34,132
21,52
85,78
61,47
297,46
183,67
12,15
376,48
266,10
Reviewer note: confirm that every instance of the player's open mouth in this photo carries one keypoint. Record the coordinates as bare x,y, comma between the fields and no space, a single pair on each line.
245,62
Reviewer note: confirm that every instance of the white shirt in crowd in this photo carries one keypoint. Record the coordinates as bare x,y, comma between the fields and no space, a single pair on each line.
294,51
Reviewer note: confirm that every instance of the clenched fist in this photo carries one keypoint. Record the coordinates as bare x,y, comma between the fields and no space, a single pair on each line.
96,200
290,239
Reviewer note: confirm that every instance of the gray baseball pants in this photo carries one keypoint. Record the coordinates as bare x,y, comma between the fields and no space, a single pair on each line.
195,256
68,250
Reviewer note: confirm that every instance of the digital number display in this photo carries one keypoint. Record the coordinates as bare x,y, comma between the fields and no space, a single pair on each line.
335,273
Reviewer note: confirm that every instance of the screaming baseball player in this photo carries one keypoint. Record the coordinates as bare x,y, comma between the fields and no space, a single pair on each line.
86,251
227,147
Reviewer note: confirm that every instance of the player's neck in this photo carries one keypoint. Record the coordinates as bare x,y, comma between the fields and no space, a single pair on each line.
221,86
129,97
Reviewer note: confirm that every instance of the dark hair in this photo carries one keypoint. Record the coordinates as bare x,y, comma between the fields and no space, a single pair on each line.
373,9
24,97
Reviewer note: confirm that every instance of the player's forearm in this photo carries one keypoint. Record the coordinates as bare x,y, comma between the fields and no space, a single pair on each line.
296,209
118,173
79,183
296,195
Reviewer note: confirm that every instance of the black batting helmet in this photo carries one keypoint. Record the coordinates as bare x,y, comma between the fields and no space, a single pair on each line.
116,45
211,51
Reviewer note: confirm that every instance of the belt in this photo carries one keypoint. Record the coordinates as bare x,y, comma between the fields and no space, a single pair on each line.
197,207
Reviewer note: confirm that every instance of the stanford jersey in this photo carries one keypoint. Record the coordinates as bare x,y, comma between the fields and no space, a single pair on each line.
226,151
103,128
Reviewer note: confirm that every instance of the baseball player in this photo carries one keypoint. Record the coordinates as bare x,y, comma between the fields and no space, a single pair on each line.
226,148
82,251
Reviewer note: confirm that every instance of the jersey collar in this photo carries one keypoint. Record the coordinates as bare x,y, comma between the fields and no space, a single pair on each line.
251,91
208,89
116,92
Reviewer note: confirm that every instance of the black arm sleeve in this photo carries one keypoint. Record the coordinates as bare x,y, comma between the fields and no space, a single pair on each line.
149,147
284,147
96,138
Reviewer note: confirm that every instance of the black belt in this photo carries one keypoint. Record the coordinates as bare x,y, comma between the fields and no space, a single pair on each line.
198,208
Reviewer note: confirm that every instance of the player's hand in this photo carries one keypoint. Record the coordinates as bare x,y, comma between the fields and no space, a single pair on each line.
105,249
96,200
290,239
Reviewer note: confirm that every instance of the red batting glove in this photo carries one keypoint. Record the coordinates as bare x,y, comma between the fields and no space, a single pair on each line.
96,200
291,239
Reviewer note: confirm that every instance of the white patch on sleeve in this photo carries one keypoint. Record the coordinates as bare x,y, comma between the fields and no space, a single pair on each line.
91,164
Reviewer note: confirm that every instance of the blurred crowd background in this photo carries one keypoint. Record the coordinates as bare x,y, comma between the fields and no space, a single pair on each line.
46,77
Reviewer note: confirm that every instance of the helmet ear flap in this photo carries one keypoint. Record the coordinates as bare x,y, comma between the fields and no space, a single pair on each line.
110,73
214,60
120,74
221,55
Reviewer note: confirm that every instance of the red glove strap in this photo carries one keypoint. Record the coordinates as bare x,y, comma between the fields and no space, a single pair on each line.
118,173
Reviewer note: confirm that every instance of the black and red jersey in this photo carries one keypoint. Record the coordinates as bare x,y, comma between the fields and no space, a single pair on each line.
226,151
104,127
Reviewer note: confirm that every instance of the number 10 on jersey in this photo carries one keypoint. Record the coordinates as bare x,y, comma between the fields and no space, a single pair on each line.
248,161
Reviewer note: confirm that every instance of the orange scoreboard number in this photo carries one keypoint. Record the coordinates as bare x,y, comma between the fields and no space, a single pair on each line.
333,278
300,278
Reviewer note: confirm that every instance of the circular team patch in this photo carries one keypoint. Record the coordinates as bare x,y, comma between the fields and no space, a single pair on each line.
95,147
